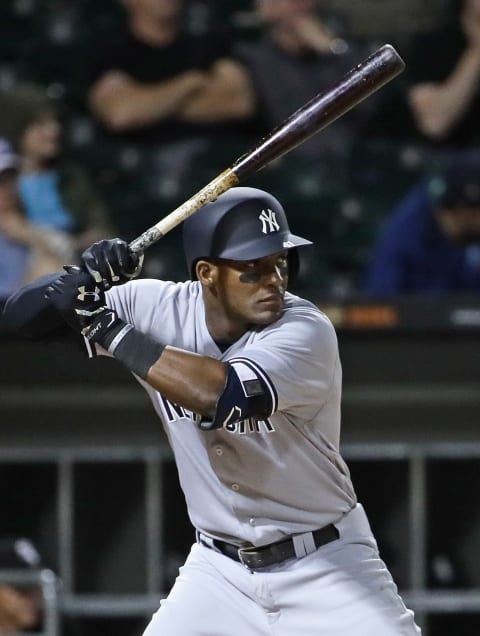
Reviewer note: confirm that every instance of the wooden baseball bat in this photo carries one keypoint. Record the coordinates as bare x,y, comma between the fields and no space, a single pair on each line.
360,82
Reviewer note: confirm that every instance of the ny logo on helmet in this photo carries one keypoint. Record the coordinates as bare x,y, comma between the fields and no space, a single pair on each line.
269,221
84,295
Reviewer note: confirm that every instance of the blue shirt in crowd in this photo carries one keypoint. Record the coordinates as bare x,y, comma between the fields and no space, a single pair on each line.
412,255
14,260
41,198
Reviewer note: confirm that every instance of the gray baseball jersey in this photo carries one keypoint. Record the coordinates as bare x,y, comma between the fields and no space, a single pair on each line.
255,480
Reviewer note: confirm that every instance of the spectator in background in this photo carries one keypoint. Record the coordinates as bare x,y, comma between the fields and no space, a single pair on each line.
26,251
154,83
300,54
20,604
444,69
56,193
431,241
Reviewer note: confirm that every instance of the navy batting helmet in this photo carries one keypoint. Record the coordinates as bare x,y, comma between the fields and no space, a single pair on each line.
242,224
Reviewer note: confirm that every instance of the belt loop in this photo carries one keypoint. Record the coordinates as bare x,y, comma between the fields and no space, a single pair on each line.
303,544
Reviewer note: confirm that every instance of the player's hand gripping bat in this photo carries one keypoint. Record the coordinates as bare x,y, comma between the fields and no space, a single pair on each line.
360,82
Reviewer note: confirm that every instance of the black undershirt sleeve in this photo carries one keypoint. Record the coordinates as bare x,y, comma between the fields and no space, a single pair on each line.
28,314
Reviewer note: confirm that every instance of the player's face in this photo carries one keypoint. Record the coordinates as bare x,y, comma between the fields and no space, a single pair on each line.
251,292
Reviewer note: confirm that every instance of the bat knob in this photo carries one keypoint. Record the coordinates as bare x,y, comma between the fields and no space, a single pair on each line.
73,269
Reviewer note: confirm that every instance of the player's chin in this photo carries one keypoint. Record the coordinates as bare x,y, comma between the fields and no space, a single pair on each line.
267,315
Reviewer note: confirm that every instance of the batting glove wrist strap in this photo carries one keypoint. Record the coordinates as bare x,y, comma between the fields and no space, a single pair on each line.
106,329
136,350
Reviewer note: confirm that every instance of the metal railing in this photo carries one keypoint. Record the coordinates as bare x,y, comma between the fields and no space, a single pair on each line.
48,584
65,601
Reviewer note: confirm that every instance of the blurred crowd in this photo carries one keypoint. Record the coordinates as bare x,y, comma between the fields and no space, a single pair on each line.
113,113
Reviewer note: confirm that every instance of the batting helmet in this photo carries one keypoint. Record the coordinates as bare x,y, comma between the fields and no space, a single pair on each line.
242,224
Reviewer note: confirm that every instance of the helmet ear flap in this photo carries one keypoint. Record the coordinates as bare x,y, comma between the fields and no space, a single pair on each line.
193,270
293,265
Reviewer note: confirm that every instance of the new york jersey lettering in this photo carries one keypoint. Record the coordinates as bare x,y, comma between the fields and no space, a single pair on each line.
175,412
250,425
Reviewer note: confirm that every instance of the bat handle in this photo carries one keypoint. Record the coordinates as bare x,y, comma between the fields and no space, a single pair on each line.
209,193
149,237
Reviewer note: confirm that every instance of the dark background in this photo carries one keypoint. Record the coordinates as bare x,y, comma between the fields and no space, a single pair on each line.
84,467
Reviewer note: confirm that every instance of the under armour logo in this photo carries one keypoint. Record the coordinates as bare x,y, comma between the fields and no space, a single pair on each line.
84,295
269,221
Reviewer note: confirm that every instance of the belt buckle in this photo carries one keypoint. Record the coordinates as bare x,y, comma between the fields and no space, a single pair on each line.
241,557
252,557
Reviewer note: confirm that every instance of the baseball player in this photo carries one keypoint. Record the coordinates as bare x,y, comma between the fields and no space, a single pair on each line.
246,379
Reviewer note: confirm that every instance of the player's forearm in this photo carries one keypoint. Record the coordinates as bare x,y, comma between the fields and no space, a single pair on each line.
188,379
134,105
438,107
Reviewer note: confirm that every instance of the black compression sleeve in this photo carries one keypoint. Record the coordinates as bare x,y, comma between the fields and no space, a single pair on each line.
29,314
138,352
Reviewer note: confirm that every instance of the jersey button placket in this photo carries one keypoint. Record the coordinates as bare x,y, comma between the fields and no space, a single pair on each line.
219,451
235,487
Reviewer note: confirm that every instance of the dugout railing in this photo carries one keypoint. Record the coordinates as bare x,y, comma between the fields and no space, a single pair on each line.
48,585
411,464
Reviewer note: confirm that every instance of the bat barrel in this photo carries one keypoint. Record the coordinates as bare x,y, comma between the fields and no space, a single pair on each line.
322,110
363,80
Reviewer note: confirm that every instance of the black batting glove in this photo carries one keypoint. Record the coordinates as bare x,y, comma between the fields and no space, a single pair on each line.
81,302
110,262
76,297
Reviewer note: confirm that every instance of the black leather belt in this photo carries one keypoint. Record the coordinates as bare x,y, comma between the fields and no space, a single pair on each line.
257,557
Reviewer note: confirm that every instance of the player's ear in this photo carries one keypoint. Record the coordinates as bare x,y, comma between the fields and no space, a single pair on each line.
206,272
